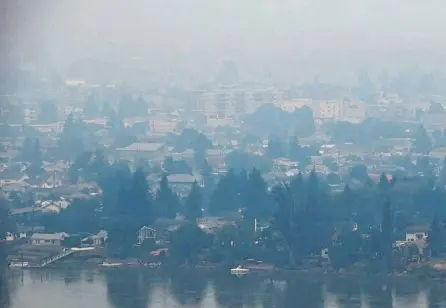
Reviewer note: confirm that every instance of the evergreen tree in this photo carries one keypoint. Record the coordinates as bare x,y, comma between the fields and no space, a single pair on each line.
205,169
393,181
387,234
257,199
91,108
316,215
285,221
442,175
140,199
383,183
166,200
209,183
421,142
48,112
275,148
168,164
71,139
97,162
193,204
27,150
435,237
5,222
35,169
225,198
73,174
187,242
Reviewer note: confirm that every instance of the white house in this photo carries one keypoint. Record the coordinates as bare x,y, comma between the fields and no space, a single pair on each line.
416,233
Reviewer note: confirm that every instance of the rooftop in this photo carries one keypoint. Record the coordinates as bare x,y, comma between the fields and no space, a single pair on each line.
24,210
142,147
182,178
49,236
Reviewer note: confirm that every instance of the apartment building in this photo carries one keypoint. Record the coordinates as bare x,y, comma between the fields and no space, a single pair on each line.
221,103
163,126
339,110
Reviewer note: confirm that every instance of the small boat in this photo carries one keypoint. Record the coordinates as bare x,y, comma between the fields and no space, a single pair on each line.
107,264
239,270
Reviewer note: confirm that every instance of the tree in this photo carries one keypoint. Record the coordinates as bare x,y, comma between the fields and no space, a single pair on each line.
225,198
171,166
186,243
91,108
383,183
360,173
206,169
35,168
139,200
442,175
71,139
387,234
167,202
5,223
128,205
48,112
73,174
285,220
79,217
436,108
238,160
27,149
257,199
421,142
275,148
435,237
193,204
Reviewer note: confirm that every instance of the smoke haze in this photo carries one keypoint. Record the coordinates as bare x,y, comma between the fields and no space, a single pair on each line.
292,38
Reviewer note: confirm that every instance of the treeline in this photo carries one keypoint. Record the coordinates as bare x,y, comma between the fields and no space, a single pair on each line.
302,217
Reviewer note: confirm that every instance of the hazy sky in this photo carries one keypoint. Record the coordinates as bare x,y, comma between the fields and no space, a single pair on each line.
310,36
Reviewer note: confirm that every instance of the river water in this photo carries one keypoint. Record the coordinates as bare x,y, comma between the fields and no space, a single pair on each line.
133,288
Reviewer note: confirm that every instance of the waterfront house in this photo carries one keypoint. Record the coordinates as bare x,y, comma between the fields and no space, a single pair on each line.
54,239
416,233
145,233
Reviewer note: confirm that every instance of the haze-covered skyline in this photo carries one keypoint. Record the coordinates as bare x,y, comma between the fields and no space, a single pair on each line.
294,39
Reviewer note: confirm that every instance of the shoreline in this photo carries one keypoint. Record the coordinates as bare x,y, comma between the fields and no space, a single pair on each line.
311,273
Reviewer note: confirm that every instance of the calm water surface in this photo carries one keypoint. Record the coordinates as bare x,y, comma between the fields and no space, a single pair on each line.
133,288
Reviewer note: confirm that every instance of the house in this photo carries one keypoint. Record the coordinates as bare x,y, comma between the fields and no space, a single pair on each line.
97,239
23,231
9,236
145,233
25,213
163,227
416,233
216,157
54,239
182,183
146,150
284,164
54,206
209,224
52,181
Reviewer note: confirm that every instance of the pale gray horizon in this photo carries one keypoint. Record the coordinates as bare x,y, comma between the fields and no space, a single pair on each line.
294,39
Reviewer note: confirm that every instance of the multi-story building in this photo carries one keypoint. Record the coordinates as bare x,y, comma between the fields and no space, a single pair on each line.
163,126
221,103
339,110
353,110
